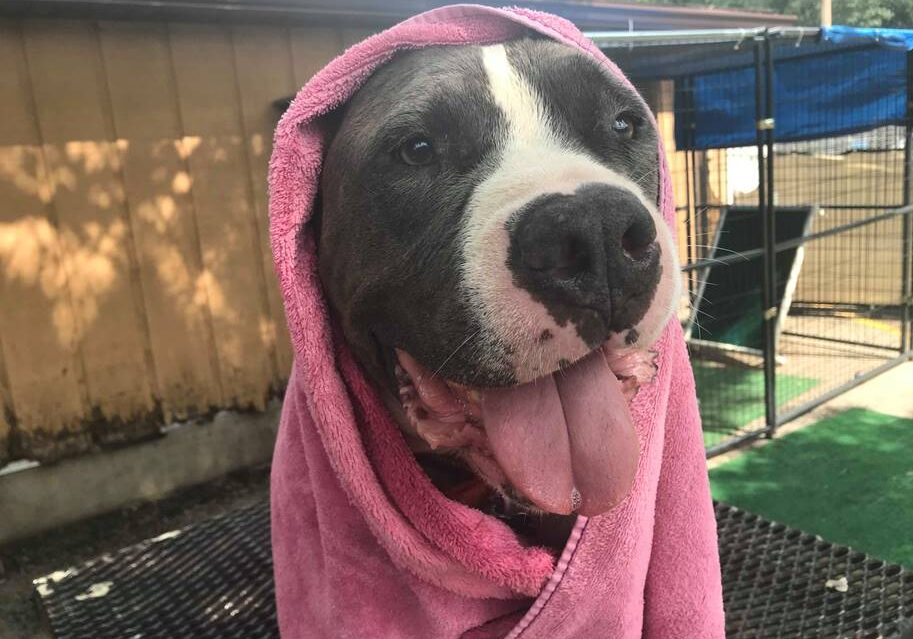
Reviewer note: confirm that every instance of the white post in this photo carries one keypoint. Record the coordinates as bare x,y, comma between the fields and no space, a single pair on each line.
826,13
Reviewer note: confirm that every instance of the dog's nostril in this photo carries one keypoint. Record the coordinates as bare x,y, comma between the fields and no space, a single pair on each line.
639,237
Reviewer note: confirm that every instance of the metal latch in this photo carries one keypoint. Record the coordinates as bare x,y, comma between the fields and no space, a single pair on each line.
767,124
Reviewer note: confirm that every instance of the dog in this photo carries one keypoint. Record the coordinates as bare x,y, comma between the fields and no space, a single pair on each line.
491,247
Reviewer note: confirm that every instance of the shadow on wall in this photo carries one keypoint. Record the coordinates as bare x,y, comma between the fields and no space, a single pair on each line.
136,280
76,267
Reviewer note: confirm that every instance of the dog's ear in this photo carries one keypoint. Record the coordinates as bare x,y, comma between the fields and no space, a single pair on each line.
317,218
329,126
281,105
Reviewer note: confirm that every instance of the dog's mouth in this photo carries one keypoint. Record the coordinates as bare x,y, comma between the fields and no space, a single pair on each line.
564,442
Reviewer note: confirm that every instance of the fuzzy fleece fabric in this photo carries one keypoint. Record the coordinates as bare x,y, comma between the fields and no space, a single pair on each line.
365,546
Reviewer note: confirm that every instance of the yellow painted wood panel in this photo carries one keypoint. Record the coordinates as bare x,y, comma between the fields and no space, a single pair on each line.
220,186
137,64
659,96
710,166
354,36
74,115
6,408
157,191
17,117
311,49
5,431
264,71
37,319
136,275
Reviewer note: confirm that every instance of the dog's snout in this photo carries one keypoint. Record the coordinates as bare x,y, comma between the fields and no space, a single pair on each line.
591,251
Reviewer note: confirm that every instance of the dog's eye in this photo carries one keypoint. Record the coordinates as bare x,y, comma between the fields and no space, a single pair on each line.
417,151
624,125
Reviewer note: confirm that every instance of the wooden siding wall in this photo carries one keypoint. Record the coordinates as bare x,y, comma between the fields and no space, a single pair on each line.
136,282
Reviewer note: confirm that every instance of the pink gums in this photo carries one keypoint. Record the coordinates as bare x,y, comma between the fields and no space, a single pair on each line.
447,415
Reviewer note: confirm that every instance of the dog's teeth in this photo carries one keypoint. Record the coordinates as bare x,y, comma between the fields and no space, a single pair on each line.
576,499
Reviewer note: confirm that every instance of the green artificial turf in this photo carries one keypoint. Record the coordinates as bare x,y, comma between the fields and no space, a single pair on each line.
731,397
848,478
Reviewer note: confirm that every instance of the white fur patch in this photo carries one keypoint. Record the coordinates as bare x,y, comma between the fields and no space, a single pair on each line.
535,161
517,100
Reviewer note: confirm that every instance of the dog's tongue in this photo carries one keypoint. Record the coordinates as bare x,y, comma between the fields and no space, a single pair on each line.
566,441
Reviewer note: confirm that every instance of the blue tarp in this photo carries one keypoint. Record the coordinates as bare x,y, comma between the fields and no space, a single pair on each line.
851,80
898,39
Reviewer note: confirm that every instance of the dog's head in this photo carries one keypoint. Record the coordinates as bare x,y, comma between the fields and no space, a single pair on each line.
490,243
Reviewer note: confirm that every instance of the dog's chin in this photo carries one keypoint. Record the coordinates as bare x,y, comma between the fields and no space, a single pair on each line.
562,443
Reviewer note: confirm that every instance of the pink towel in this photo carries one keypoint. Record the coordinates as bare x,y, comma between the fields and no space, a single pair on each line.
365,546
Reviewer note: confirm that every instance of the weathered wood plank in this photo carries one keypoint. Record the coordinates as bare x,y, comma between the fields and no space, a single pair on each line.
207,97
352,36
6,409
37,321
311,49
265,74
73,110
137,281
157,193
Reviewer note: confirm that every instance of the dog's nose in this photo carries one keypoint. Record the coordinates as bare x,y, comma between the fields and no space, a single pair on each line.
593,251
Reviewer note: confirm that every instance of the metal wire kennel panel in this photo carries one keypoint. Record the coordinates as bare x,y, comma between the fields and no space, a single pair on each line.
792,170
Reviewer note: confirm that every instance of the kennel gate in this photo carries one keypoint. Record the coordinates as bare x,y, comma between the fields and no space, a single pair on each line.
771,125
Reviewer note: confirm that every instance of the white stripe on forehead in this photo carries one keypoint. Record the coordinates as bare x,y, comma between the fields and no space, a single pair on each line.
522,106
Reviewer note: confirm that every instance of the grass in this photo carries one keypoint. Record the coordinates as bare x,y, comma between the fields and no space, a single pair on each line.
732,397
848,478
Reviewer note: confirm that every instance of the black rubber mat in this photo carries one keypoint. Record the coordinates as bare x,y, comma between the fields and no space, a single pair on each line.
781,582
214,580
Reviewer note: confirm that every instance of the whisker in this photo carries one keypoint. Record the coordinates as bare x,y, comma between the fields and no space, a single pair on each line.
720,248
455,351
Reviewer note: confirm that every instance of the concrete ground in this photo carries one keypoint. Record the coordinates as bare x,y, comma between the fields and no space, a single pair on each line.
890,393
72,544
59,515
815,355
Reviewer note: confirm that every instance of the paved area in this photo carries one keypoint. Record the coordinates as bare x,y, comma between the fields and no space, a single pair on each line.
72,544
890,393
